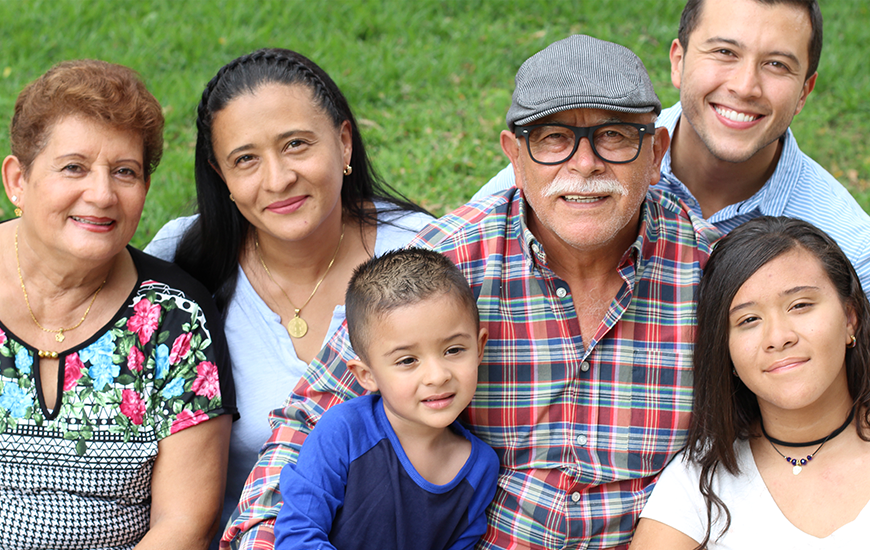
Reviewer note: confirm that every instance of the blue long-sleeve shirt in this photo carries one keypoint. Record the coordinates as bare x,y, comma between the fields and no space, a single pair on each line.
354,487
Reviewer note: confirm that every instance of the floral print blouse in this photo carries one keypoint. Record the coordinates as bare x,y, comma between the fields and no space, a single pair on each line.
77,473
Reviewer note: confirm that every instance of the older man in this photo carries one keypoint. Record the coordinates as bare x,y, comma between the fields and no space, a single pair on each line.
585,282
744,69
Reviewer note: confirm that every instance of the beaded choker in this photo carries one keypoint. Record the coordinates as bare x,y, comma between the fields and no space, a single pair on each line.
798,463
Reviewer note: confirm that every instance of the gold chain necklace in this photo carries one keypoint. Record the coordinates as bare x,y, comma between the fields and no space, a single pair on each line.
58,332
297,327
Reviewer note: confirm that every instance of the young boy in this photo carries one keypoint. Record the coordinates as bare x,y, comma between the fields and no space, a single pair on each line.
396,470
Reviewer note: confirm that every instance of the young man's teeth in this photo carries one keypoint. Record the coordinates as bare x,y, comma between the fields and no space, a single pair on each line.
734,115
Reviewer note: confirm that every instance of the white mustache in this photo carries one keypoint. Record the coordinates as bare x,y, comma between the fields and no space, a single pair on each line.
563,185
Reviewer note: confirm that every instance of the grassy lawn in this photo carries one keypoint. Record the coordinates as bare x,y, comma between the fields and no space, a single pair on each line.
429,81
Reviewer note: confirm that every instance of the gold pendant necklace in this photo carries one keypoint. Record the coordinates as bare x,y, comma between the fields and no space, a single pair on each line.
297,327
58,332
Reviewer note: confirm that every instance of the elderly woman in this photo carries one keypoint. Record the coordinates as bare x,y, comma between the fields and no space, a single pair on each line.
115,394
289,205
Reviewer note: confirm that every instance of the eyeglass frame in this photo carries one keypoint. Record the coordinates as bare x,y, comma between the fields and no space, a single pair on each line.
581,132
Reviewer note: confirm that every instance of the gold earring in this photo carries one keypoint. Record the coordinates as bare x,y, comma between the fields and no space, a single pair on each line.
18,212
852,344
347,170
233,199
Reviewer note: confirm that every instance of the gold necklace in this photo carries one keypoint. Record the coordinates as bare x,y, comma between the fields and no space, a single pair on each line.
297,327
58,331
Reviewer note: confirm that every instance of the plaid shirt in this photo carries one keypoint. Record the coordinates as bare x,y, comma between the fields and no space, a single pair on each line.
581,430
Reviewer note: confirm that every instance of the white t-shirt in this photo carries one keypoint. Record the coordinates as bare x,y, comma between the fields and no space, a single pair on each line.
756,521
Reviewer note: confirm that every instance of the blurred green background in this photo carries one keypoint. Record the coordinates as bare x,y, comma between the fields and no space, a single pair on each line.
430,81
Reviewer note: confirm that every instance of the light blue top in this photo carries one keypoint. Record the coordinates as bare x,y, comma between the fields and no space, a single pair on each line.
799,188
265,365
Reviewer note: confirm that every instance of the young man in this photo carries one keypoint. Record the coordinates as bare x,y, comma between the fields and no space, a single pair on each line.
395,470
744,69
585,283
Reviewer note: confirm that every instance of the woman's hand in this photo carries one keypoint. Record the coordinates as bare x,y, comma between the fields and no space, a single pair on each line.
187,486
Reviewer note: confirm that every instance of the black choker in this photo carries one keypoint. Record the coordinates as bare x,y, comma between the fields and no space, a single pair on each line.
798,463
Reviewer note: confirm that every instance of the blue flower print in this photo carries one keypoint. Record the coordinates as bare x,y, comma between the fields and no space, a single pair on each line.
23,361
15,400
103,374
174,388
162,362
99,354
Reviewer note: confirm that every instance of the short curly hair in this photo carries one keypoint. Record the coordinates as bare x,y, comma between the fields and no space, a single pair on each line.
105,92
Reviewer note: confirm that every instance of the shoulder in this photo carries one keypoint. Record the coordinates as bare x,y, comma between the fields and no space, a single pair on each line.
397,227
671,222
481,219
165,242
154,272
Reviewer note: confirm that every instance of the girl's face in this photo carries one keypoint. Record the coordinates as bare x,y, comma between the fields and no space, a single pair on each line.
788,334
282,159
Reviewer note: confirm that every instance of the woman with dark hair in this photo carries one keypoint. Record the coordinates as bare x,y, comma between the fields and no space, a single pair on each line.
288,205
115,385
780,434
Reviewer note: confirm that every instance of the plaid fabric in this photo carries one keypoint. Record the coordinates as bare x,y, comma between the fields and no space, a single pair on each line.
581,430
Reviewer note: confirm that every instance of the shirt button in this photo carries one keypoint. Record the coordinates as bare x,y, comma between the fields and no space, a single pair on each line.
584,366
561,292
575,497
581,440
535,248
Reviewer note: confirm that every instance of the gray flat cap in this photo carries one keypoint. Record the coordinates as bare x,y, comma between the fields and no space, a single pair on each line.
581,72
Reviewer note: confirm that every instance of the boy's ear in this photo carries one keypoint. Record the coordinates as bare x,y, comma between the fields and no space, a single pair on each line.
481,342
363,374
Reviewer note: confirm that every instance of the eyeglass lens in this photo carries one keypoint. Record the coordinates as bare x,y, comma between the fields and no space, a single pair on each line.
612,142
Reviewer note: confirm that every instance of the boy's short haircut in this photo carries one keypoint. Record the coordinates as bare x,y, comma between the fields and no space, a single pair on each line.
396,279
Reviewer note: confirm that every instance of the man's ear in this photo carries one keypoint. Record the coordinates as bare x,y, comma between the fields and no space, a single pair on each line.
660,147
809,84
676,56
510,146
363,374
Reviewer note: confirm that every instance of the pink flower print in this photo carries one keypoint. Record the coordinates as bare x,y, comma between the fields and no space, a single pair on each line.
135,359
207,382
144,322
132,406
72,371
180,348
2,337
186,419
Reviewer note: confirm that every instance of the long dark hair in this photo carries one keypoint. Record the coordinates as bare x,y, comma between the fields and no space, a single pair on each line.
210,249
725,410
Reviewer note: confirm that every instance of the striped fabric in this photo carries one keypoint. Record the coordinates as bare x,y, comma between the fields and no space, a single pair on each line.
581,428
799,188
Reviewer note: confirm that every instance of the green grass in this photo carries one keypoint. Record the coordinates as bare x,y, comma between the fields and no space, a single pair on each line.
430,81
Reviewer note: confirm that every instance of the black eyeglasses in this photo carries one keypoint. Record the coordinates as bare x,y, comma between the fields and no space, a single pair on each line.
617,143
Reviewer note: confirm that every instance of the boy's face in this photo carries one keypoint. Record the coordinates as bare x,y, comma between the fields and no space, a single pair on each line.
423,359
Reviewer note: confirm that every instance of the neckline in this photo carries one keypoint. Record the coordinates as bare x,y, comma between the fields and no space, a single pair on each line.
748,461
406,463
62,355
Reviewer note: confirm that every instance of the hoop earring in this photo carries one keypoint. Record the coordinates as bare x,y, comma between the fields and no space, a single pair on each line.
853,343
233,199
348,170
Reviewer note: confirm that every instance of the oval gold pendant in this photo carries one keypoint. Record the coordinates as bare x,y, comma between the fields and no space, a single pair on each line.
297,327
